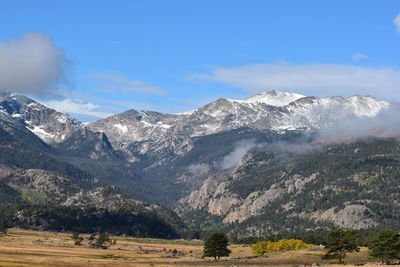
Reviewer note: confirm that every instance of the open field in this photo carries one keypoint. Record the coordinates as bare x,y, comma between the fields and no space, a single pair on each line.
33,248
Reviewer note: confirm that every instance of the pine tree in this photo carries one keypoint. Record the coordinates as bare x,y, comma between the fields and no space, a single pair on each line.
385,246
216,246
3,227
340,242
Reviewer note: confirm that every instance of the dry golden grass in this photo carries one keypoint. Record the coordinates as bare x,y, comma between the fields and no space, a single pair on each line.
25,248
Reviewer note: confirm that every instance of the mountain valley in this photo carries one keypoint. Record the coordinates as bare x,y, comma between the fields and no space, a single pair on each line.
259,166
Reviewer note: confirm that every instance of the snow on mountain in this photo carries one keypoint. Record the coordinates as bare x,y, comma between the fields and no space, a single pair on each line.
57,129
154,131
318,113
273,98
257,112
48,124
272,110
135,126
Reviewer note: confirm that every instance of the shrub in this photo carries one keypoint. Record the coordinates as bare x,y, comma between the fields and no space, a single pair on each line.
262,247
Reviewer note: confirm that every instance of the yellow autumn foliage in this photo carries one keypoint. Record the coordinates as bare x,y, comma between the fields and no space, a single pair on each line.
263,247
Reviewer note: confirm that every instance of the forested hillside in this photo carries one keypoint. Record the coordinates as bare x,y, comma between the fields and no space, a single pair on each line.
280,188
44,200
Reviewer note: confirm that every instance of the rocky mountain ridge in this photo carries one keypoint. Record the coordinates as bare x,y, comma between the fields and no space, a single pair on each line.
272,110
140,132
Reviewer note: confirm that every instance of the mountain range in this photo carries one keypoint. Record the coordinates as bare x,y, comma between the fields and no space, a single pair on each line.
253,166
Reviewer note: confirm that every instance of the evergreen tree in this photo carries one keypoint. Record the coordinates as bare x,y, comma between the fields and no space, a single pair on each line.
385,246
216,246
340,242
3,227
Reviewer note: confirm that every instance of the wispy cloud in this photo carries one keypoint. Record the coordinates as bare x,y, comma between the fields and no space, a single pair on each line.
396,22
32,64
359,56
117,82
237,154
77,107
384,124
309,79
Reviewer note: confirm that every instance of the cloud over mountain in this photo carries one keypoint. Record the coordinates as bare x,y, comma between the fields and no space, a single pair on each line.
309,79
32,64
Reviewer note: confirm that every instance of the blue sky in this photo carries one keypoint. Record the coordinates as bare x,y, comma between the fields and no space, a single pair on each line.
174,56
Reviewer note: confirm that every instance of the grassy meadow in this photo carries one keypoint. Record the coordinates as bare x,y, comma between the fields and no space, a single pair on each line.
33,248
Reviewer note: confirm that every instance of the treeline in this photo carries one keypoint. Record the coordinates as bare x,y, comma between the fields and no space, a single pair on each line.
88,220
363,237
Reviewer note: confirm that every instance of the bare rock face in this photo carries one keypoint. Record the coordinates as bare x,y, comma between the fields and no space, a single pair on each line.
352,216
215,197
212,196
252,205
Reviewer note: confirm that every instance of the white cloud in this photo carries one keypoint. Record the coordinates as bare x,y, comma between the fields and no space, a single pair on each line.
396,22
85,109
359,56
237,154
31,64
310,79
115,82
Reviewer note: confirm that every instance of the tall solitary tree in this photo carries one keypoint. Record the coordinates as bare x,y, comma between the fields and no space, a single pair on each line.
3,227
340,242
216,246
385,246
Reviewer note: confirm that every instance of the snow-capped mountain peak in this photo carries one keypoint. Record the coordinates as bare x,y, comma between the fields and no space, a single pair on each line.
48,124
151,131
274,98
